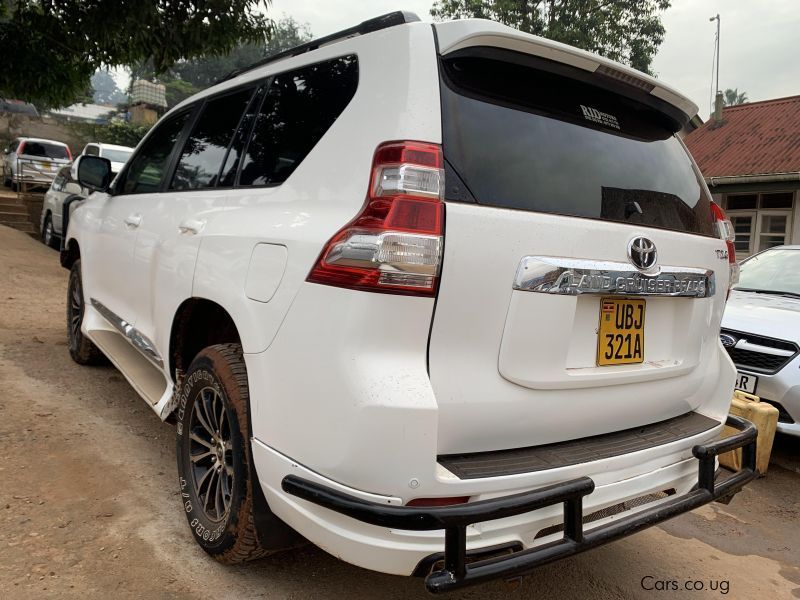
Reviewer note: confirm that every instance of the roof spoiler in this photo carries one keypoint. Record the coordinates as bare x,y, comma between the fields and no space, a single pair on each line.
376,24
470,33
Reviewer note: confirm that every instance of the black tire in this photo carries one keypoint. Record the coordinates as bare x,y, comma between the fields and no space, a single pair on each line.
49,237
81,349
213,449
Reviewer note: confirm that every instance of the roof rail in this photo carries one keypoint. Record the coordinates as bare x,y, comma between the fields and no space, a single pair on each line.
383,22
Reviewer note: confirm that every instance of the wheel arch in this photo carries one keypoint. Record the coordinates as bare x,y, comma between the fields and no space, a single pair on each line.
190,334
198,323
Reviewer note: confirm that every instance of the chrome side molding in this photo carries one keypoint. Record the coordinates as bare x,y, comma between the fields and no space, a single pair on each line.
572,277
134,336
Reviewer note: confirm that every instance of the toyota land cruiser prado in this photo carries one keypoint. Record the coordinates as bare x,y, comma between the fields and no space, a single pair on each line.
443,299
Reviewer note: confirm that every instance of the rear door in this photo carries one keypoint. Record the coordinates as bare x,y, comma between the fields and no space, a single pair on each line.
577,294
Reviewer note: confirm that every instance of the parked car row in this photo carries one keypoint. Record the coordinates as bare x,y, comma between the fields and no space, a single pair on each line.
38,161
50,163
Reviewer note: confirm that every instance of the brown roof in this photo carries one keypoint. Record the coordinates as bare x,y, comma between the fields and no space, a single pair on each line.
755,138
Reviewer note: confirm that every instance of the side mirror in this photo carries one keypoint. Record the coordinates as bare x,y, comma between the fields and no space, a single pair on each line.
92,172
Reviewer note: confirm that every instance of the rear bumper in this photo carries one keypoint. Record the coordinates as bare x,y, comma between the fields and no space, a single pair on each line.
454,520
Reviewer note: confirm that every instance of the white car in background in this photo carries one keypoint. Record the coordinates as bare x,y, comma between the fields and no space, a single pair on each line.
118,155
63,186
761,331
34,161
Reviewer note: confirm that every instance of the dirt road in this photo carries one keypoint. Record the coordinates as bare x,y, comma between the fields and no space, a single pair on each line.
88,504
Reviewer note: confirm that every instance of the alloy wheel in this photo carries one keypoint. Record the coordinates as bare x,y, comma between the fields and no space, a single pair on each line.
76,309
211,454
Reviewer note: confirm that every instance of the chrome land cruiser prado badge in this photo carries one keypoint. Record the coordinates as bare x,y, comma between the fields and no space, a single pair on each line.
571,277
596,116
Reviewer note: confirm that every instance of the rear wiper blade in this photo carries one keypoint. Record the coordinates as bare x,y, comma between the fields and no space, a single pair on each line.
770,292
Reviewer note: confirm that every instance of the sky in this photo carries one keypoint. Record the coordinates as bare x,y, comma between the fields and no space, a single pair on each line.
759,50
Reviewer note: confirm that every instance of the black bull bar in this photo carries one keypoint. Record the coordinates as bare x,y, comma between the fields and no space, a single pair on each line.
458,572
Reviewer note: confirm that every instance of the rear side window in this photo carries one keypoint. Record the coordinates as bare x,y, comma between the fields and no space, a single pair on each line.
45,150
528,139
299,108
147,168
201,159
59,181
92,151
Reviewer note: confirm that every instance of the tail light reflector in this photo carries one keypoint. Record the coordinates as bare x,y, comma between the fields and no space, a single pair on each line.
394,244
726,232
426,502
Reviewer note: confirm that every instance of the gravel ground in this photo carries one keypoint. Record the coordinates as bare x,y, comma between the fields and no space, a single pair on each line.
89,507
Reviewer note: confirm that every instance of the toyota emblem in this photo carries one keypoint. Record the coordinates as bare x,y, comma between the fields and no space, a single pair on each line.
642,253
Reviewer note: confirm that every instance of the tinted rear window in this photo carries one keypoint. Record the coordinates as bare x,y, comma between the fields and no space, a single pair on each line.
45,150
117,155
528,139
299,108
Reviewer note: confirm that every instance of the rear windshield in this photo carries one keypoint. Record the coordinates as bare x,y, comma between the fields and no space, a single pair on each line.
528,139
45,150
117,155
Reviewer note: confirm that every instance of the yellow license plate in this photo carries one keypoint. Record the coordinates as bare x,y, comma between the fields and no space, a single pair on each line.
620,338
48,165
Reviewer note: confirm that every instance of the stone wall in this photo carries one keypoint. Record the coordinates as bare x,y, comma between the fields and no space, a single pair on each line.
14,125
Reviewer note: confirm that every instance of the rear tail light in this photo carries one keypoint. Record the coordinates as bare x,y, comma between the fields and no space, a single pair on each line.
726,232
394,245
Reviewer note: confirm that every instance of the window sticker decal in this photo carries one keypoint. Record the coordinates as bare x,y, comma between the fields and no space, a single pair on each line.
594,115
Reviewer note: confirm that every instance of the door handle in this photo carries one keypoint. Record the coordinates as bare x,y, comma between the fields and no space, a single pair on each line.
133,221
192,226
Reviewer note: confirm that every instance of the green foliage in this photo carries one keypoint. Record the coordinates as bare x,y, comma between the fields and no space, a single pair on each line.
114,132
628,31
732,97
187,77
51,48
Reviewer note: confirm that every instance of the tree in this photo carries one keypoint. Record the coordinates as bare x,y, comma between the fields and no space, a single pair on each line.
732,97
628,31
56,46
186,77
105,89
205,71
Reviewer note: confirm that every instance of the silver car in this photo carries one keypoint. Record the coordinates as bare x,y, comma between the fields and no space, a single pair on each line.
63,186
33,161
761,331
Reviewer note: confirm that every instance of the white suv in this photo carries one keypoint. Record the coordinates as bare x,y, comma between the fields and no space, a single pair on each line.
409,289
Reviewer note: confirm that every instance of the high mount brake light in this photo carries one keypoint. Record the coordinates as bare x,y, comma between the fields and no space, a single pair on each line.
726,232
394,245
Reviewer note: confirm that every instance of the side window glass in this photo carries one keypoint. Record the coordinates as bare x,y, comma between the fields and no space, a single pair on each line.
234,157
146,168
205,148
299,108
92,151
